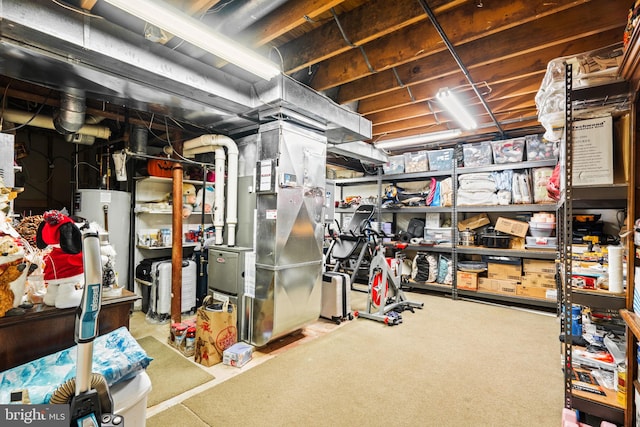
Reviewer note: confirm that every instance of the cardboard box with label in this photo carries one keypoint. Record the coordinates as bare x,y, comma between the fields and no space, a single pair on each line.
512,226
500,286
504,271
467,280
541,280
474,222
536,292
505,286
539,266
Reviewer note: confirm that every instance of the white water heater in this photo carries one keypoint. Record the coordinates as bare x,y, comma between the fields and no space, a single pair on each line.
110,210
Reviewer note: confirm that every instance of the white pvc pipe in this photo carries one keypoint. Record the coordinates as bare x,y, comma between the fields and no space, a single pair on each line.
208,143
45,122
218,206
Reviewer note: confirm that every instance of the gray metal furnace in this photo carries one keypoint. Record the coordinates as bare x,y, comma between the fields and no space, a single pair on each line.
290,180
281,198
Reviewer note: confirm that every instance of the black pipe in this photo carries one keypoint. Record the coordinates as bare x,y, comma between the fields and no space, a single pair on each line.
464,70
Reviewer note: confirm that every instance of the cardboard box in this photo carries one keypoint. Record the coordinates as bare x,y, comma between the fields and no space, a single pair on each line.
511,226
504,271
541,280
539,266
505,286
500,286
467,280
474,222
593,152
238,354
535,292
485,284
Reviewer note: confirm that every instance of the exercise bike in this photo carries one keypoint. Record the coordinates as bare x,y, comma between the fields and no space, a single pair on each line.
385,298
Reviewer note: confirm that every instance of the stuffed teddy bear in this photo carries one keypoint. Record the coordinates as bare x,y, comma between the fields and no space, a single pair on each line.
9,273
63,265
188,199
13,273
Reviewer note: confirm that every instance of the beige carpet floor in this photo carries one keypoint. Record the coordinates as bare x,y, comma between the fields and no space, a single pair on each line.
171,373
454,363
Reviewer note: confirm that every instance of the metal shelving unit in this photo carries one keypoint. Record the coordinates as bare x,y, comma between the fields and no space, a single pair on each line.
455,210
601,197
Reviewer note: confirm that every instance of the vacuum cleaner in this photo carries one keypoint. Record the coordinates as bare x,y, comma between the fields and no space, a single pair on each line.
88,393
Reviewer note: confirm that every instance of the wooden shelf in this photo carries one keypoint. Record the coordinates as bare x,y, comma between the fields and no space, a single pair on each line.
632,321
601,408
604,406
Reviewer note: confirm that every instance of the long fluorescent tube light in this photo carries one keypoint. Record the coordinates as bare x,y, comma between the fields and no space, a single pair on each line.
416,140
195,32
451,103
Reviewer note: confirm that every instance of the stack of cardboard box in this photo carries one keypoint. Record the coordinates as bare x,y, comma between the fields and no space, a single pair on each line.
538,280
503,275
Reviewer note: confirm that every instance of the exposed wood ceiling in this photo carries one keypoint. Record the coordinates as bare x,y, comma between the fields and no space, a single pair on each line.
386,60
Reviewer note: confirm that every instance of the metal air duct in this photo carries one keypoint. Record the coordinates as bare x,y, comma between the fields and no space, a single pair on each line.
69,118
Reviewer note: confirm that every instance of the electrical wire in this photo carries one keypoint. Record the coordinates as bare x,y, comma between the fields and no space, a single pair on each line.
75,9
280,55
4,104
32,117
217,8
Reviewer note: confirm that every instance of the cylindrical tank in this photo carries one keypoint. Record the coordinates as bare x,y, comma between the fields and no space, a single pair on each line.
95,205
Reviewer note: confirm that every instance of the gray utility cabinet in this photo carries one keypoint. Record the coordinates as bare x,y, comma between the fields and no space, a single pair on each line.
226,272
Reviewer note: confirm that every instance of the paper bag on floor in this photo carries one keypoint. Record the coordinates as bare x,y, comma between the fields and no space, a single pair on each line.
215,331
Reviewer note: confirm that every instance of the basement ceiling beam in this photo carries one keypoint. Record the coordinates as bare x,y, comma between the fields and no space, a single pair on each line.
88,4
526,86
502,67
394,120
414,124
485,131
467,23
286,18
506,69
368,22
427,91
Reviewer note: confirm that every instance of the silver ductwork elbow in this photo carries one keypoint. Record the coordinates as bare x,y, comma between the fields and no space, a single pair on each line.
69,118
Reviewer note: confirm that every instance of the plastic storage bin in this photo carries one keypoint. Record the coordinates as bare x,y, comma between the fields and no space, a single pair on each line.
539,148
479,154
416,162
394,165
508,151
541,229
439,235
541,242
440,160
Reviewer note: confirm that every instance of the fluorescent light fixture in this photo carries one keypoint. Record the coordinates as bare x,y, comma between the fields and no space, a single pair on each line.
180,24
416,140
451,103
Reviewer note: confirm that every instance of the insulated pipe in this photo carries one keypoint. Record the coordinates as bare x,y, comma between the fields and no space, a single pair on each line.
45,122
206,144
